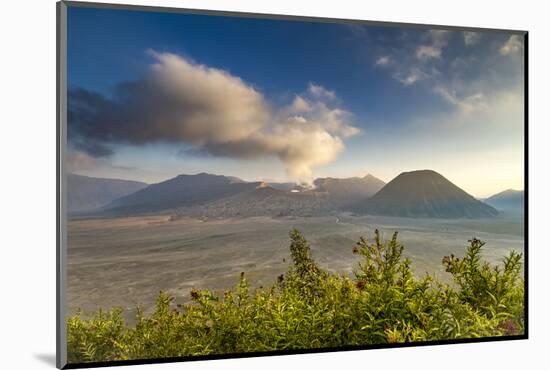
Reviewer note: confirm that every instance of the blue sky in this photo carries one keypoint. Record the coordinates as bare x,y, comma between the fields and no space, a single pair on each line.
289,100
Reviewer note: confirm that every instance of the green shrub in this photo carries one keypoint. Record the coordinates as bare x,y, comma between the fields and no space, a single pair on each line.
310,308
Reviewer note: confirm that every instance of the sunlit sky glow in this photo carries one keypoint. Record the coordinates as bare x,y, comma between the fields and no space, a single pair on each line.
154,95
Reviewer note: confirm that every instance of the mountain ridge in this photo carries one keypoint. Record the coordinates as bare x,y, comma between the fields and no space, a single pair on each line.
180,191
507,200
227,196
422,193
86,193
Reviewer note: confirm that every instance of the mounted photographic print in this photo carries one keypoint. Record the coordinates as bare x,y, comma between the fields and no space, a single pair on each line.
235,184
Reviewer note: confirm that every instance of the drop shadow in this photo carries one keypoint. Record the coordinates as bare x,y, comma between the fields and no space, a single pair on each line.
47,358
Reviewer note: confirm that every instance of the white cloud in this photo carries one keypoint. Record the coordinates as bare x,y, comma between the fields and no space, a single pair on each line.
383,61
413,76
320,92
181,102
424,52
201,104
471,38
438,40
299,105
333,120
514,45
411,63
79,161
467,104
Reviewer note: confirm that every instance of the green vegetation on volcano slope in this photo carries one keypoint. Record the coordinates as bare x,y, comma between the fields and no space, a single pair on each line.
310,308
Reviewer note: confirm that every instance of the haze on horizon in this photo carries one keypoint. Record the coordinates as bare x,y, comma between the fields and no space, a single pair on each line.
154,95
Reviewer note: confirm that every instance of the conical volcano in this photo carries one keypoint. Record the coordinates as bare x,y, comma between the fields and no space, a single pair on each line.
424,193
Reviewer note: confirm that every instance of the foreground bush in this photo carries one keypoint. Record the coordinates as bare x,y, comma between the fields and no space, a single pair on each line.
311,308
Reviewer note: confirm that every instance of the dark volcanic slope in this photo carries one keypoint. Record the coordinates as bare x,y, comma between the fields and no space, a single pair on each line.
287,186
88,193
181,191
349,190
508,199
424,193
277,200
265,200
